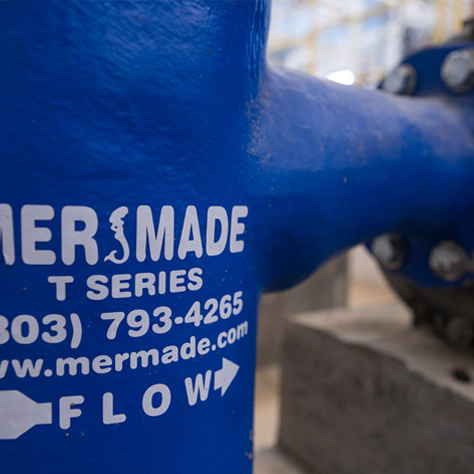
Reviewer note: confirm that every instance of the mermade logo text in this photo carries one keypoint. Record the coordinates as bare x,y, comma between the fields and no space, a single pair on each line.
155,234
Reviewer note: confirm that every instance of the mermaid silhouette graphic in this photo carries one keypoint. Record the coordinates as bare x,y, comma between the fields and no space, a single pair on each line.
116,219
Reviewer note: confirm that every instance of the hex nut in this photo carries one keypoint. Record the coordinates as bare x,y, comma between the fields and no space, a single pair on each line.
457,71
449,261
459,332
390,251
401,81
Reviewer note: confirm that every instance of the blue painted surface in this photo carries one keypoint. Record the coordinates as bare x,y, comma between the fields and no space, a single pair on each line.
111,104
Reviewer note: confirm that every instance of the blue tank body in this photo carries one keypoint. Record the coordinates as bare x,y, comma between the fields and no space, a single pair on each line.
157,178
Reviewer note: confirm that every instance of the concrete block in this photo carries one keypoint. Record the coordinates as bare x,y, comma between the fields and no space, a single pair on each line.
363,392
327,288
272,461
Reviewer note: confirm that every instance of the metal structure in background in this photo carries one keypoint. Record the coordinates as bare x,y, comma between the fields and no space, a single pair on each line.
157,178
365,38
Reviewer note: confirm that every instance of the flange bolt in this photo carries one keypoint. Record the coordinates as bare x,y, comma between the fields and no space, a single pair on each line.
401,81
459,332
457,70
449,261
389,250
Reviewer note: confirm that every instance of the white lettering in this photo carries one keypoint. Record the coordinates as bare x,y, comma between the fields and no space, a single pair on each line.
190,226
144,356
162,283
147,401
79,226
27,367
170,354
108,416
200,389
119,360
237,228
120,283
222,340
60,283
214,214
145,281
195,279
72,238
94,284
3,368
6,234
67,412
203,346
146,232
72,364
176,280
102,364
188,349
232,336
31,235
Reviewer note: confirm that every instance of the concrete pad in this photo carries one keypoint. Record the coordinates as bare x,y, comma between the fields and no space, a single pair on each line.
363,392
272,461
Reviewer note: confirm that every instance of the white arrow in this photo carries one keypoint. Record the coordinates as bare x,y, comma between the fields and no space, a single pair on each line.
18,414
225,376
